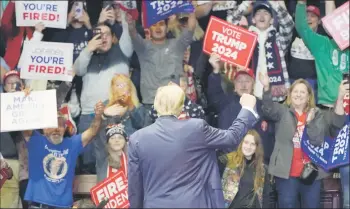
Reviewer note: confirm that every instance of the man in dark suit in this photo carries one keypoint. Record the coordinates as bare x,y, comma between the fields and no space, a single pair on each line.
172,163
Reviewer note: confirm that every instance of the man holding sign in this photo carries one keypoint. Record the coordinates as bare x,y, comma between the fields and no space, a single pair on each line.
273,44
52,159
161,59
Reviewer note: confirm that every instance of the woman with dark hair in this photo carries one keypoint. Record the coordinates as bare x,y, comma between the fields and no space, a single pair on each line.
245,181
16,35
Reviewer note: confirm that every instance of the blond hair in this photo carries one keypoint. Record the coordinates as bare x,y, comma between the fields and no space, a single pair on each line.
113,97
169,100
311,103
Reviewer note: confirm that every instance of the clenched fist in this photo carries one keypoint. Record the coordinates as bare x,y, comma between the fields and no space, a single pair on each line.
248,100
99,108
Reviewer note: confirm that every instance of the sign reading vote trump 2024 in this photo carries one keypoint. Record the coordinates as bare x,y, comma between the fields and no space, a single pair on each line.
157,10
337,24
234,44
334,152
115,188
47,61
36,111
53,14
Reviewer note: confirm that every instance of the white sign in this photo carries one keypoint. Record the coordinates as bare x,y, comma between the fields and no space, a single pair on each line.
224,5
53,14
36,111
47,61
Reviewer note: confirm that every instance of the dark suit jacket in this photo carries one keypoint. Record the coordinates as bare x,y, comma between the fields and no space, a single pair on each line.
172,163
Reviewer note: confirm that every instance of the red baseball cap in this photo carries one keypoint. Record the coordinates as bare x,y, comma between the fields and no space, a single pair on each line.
11,73
314,10
246,72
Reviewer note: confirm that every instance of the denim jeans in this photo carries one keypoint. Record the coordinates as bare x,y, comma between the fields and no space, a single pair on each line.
88,158
344,177
289,189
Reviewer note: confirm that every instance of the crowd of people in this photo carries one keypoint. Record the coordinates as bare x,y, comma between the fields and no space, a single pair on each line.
134,89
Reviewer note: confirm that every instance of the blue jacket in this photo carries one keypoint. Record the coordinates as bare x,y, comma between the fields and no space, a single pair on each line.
172,163
227,107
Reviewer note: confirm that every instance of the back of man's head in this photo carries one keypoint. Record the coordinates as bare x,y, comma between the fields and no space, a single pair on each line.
169,100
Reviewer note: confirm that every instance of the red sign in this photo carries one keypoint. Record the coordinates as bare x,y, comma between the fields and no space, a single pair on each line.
3,177
337,25
115,188
234,44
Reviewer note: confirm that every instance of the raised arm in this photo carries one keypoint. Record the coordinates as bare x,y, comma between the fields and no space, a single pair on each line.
92,131
286,25
138,42
227,140
311,39
216,95
203,8
82,62
135,188
330,6
271,110
125,43
186,37
234,16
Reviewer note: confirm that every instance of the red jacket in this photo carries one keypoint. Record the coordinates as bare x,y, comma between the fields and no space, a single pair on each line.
14,44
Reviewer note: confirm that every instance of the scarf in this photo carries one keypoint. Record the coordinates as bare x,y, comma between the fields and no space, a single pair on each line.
230,183
123,167
191,90
273,66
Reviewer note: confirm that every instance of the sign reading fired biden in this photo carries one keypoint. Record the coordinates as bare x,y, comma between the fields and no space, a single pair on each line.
234,44
115,188
47,61
53,14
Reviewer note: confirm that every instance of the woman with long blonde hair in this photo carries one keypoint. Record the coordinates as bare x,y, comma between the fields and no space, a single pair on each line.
245,181
122,108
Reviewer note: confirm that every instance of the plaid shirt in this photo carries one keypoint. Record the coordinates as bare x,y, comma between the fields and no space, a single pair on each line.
283,37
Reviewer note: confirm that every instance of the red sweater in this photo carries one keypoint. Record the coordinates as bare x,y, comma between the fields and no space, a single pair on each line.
14,44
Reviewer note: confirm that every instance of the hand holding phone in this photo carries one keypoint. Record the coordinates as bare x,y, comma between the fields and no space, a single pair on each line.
96,32
78,9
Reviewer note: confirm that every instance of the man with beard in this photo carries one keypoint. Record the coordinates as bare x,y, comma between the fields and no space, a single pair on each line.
161,59
52,159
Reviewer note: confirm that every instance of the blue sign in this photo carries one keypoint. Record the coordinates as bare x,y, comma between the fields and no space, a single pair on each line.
333,153
155,11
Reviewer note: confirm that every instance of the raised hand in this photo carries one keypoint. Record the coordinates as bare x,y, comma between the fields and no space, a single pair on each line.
248,100
95,43
265,81
106,14
214,60
85,19
40,27
99,108
310,115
